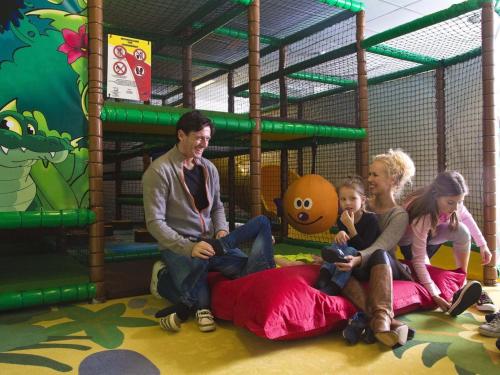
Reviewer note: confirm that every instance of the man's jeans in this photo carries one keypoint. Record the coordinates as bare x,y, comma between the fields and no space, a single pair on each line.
185,278
340,277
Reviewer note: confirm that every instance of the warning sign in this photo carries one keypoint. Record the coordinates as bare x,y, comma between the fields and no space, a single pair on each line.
129,68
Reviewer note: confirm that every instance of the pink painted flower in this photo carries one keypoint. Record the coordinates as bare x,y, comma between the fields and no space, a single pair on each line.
75,44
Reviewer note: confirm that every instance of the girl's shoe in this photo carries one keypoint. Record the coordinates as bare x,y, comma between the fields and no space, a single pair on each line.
485,303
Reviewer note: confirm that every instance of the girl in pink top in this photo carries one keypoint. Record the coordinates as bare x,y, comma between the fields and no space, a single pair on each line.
437,215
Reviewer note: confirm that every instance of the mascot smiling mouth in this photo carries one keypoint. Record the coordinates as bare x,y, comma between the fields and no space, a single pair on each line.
302,223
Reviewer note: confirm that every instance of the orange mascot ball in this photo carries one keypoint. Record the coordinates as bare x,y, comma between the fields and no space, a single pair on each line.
311,204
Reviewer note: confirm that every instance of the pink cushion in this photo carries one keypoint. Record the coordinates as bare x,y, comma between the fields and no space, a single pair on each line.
281,304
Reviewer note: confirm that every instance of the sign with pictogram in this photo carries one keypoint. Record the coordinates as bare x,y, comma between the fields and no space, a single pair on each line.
119,68
129,68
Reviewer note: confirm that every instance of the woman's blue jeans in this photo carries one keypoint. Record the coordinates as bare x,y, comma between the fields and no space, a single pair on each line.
185,278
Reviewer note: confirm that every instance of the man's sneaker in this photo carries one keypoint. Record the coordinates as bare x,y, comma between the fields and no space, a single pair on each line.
465,297
205,319
355,328
333,254
153,286
491,329
490,317
171,323
485,303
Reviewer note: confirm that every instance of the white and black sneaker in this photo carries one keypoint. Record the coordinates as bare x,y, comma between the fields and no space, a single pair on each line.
153,286
465,298
170,323
485,303
492,328
206,321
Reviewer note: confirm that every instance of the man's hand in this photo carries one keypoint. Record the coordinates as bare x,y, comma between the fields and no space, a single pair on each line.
221,233
341,238
202,250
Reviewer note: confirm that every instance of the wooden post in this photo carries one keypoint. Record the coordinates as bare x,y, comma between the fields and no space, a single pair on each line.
187,77
440,119
95,103
490,138
362,97
255,114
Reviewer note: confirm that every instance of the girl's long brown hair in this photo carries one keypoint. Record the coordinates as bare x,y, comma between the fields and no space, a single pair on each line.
424,201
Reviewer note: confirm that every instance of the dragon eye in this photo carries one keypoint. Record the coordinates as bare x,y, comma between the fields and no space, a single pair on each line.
10,123
31,129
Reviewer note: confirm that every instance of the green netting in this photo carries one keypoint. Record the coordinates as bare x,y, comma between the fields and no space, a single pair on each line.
464,147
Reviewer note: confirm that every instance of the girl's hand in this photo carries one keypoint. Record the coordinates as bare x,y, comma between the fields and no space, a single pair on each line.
316,259
341,238
352,262
347,218
442,303
485,254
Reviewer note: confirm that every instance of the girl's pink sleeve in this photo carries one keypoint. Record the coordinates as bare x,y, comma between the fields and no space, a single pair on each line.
420,230
465,217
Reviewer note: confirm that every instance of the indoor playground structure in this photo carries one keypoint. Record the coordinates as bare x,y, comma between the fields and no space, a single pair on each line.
293,88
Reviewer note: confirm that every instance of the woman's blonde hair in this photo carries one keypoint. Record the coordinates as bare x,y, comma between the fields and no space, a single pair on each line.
399,166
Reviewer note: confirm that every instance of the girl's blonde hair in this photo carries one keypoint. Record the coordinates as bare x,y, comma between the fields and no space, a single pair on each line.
399,166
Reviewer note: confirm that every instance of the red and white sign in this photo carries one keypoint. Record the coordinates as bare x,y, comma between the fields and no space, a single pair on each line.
129,68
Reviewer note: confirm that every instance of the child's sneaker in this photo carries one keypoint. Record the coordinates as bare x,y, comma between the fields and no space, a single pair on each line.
332,254
490,317
355,328
491,329
485,303
153,286
465,297
206,322
171,323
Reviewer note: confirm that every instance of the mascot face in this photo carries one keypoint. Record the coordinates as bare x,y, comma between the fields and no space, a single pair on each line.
311,204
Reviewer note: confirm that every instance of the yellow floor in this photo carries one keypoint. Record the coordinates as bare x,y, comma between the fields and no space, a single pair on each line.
126,327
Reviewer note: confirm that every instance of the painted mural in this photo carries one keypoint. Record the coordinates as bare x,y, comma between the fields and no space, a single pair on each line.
43,105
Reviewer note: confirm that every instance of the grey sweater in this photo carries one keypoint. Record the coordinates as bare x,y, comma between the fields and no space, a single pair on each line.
171,215
392,224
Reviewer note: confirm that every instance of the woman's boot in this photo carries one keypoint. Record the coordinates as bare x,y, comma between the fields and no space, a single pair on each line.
355,293
401,331
380,307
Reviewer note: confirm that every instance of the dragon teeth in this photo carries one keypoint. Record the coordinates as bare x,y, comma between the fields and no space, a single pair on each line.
52,154
5,150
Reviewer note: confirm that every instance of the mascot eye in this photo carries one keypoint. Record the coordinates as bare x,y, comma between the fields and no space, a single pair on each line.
31,129
308,203
10,123
297,203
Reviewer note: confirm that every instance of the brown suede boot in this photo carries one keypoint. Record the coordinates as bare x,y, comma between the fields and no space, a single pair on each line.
355,293
380,307
401,331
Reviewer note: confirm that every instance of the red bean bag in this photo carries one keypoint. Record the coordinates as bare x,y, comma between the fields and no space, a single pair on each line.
281,304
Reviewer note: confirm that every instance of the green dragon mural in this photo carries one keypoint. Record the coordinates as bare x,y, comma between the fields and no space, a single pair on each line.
43,105
23,142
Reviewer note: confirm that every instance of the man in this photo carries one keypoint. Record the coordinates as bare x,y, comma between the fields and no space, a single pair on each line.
184,213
